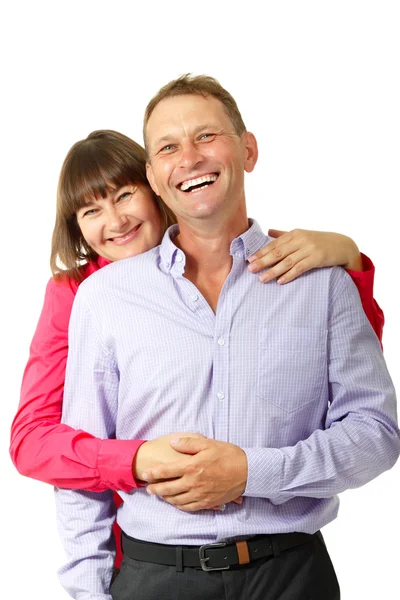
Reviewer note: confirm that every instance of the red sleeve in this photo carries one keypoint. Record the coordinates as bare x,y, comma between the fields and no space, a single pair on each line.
365,284
43,448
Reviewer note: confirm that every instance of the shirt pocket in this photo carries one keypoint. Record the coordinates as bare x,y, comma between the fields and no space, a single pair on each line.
292,366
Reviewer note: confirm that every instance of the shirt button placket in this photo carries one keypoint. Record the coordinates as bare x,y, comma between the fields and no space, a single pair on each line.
221,383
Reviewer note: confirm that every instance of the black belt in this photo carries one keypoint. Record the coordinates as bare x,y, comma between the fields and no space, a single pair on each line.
213,557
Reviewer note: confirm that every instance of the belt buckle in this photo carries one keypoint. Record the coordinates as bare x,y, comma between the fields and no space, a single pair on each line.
204,558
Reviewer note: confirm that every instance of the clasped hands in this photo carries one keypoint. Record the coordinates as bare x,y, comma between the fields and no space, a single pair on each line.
192,472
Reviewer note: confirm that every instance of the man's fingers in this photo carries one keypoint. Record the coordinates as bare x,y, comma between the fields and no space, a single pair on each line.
167,488
163,472
188,445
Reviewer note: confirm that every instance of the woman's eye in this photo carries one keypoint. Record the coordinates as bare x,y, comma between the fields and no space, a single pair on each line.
124,196
88,213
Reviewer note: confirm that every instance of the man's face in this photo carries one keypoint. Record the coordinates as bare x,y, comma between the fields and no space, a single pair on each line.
196,159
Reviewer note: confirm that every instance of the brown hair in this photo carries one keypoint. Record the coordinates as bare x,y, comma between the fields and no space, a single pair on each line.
202,85
92,166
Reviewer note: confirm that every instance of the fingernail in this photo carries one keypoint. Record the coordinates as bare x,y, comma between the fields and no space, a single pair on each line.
281,280
251,258
264,278
175,441
148,490
144,476
252,268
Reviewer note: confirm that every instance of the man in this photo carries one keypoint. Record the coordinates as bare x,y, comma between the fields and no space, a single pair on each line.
287,385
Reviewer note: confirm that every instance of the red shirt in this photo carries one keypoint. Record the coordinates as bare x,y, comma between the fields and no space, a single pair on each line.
82,461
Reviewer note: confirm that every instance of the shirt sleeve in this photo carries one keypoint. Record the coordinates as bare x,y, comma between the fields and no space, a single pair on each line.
364,282
360,438
90,402
43,448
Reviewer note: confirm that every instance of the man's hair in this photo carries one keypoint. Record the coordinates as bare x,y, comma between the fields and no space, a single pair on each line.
202,85
93,167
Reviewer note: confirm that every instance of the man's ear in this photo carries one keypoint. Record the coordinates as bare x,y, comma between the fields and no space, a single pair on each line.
150,177
251,151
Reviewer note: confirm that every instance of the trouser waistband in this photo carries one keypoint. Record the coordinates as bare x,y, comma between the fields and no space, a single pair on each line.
213,557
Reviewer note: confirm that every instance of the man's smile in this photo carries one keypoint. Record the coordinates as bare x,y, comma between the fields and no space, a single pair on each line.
191,185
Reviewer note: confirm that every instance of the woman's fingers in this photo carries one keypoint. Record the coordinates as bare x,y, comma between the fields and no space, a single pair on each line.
287,269
293,253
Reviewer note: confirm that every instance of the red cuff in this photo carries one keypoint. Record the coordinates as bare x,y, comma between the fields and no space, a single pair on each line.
364,279
114,463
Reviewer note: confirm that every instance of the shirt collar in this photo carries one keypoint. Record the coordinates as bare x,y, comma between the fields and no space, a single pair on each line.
245,245
168,250
250,241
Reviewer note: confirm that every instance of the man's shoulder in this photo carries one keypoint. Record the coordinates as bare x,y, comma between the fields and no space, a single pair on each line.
122,270
332,277
319,287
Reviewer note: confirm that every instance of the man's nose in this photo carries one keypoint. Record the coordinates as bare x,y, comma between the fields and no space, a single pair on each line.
190,155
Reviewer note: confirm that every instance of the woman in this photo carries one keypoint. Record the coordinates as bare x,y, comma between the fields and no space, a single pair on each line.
106,211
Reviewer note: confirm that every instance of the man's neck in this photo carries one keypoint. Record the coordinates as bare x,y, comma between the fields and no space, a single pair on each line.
207,250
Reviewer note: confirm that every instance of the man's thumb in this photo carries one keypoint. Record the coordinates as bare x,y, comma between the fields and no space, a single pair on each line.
188,445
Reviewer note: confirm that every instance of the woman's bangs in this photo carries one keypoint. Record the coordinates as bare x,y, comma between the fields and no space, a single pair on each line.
93,182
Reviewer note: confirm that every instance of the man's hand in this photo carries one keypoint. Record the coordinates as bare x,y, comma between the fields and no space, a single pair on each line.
300,250
214,474
156,452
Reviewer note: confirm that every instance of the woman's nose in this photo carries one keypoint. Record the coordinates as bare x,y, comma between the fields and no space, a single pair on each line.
117,219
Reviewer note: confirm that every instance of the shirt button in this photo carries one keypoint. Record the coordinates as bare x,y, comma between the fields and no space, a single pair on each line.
221,341
179,258
194,297
167,265
220,396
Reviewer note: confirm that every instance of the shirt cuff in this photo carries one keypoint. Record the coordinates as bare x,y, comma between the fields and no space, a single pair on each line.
114,463
364,279
265,471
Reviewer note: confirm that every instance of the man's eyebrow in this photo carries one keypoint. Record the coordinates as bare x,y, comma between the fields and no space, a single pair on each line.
171,136
164,138
212,126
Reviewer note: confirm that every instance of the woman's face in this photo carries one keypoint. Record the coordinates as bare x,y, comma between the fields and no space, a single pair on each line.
125,223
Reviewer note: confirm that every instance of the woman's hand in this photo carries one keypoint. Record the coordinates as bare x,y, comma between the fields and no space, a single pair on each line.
295,252
156,452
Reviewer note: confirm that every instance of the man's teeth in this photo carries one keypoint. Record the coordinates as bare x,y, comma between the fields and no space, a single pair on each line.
200,180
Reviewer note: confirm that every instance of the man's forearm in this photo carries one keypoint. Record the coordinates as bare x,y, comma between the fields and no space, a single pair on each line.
346,456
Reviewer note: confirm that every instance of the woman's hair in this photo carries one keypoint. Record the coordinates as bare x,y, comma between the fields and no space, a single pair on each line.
104,160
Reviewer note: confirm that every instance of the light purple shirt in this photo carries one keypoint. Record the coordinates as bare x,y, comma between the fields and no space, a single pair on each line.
292,374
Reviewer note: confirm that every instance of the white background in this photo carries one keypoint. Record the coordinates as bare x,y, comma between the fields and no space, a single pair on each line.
317,82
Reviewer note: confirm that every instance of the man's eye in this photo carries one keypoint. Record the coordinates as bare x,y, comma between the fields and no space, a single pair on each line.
167,148
207,136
